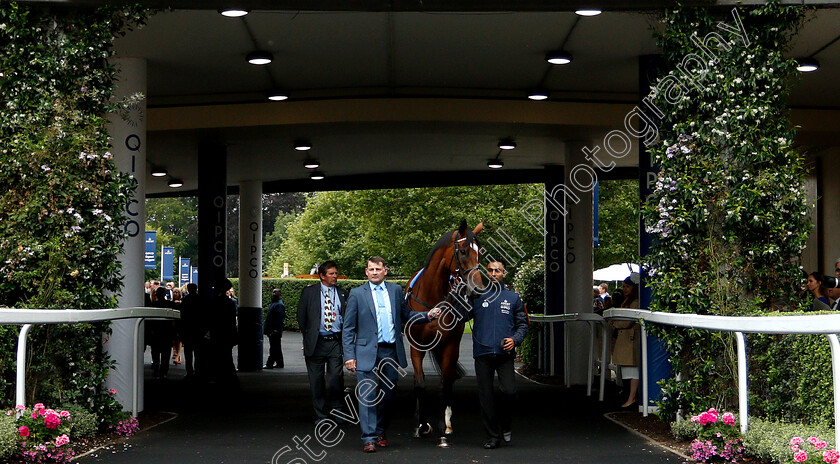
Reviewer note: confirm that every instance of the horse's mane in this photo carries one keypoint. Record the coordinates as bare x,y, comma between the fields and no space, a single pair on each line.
444,240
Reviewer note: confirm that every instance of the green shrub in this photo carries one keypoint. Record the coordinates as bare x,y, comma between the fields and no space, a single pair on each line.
290,290
685,430
9,444
83,424
770,441
529,282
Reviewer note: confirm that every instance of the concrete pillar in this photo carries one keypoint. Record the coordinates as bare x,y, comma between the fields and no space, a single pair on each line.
555,267
129,150
580,178
212,211
250,276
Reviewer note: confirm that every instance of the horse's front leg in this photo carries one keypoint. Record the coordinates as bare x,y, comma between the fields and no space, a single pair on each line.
449,374
424,426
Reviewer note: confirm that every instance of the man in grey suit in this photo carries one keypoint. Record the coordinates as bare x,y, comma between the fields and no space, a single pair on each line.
373,347
320,312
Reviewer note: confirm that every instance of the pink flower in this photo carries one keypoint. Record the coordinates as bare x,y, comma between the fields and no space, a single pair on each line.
64,414
813,440
51,421
23,431
713,412
695,418
794,448
831,456
796,441
38,406
20,407
62,440
820,445
112,391
35,415
729,418
800,456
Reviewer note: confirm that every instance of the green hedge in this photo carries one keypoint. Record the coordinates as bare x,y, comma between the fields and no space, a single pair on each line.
290,289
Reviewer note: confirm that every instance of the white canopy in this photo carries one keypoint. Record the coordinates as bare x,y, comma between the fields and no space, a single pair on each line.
615,272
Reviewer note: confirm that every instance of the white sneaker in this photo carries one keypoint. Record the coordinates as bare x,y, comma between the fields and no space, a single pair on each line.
506,436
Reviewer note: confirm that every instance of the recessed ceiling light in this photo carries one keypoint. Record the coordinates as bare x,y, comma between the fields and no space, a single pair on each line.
538,94
587,12
316,175
278,96
495,164
311,164
558,57
176,183
303,145
158,172
233,12
260,57
506,144
807,65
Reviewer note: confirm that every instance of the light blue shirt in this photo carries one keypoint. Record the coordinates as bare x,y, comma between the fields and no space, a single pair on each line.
384,317
336,302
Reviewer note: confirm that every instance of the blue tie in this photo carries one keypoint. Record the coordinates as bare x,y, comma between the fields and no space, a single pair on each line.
381,310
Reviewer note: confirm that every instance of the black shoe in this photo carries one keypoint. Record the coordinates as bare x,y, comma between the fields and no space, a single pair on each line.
268,366
492,443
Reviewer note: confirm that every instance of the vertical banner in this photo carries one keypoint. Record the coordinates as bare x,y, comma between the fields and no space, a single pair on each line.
151,247
184,273
212,216
193,275
167,263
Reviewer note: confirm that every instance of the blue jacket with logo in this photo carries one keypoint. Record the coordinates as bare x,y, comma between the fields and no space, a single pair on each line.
497,316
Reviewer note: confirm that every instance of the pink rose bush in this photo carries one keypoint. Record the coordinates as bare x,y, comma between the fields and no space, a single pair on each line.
44,434
812,450
719,439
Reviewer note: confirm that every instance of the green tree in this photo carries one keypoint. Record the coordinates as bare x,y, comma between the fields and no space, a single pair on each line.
618,223
401,225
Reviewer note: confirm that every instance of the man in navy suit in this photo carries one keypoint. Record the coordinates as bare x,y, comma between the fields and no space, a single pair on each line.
373,347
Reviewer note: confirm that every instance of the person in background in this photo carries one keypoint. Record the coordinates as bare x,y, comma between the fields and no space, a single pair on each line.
605,295
223,335
177,342
627,345
274,325
159,334
320,314
815,286
193,330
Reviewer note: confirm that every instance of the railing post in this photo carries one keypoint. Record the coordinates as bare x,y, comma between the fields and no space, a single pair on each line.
134,367
835,371
604,363
743,395
643,372
20,385
591,364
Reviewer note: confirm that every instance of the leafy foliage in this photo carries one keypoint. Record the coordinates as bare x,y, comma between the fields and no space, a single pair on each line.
62,196
728,215
618,223
400,225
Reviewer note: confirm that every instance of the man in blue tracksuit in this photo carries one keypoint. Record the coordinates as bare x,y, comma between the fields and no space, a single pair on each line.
500,326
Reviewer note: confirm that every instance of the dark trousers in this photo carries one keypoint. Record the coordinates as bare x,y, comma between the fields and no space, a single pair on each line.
375,406
326,376
495,415
275,350
190,356
160,358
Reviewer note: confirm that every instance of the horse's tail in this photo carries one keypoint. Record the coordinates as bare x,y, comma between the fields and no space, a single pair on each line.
436,361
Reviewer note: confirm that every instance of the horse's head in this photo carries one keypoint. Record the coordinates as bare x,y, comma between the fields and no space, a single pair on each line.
466,257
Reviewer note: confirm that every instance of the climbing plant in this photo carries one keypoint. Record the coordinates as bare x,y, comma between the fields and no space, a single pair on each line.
728,214
62,196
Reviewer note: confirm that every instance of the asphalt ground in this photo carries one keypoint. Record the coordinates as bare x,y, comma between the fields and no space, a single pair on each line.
272,409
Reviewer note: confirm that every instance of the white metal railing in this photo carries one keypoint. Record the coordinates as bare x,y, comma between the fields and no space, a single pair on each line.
594,322
819,324
26,318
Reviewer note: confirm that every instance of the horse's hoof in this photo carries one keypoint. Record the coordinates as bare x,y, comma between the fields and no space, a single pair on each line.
444,443
423,430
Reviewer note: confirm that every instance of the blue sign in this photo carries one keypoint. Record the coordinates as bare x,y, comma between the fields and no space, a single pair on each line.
194,277
167,263
151,246
184,273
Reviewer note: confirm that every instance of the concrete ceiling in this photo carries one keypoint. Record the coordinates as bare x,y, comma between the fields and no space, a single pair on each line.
388,89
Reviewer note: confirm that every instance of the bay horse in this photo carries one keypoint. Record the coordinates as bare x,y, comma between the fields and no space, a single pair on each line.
450,275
